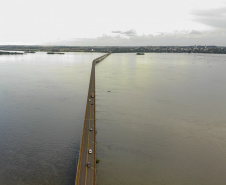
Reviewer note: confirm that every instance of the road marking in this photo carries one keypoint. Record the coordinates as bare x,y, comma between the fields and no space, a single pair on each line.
88,122
81,149
87,146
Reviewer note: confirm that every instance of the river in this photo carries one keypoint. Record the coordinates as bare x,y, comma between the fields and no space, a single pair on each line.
161,119
43,99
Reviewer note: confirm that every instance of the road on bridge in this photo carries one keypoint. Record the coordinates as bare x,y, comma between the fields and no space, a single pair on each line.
86,168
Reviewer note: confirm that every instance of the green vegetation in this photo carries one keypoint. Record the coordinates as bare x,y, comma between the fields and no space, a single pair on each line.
97,161
51,52
10,53
117,49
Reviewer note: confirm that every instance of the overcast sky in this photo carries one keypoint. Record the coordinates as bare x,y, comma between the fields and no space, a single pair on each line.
115,22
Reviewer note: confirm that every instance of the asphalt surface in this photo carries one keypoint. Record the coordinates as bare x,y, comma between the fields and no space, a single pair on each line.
86,175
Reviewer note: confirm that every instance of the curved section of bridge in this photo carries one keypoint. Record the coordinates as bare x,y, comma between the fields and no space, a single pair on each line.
86,167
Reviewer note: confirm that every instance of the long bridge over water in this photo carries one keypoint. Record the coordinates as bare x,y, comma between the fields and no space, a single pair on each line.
86,167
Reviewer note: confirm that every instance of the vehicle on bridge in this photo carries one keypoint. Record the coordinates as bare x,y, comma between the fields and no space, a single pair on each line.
92,95
88,165
90,151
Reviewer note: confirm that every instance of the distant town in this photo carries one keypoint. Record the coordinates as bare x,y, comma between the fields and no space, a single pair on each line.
114,49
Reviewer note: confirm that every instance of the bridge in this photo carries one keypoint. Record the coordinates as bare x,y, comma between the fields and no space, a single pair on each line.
86,167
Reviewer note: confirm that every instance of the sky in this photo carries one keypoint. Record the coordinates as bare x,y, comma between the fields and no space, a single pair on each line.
113,23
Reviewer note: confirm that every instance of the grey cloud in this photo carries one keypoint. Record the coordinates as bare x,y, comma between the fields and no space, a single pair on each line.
217,37
116,31
195,32
211,12
128,33
215,17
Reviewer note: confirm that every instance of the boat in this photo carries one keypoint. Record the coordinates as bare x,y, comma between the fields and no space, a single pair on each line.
140,53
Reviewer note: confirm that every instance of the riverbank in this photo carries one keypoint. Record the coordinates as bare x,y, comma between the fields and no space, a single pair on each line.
119,49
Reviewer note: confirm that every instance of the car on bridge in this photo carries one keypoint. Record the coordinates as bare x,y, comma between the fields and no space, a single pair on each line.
90,151
88,165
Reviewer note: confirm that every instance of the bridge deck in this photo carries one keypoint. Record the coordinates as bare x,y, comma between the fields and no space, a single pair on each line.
86,174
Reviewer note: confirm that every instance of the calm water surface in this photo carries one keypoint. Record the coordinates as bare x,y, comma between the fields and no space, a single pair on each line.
164,121
43,99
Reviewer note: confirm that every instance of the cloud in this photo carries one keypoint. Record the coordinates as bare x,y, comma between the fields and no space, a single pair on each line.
215,18
178,38
128,33
117,32
195,32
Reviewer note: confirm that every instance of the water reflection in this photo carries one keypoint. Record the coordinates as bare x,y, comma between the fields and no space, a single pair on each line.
42,109
163,121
